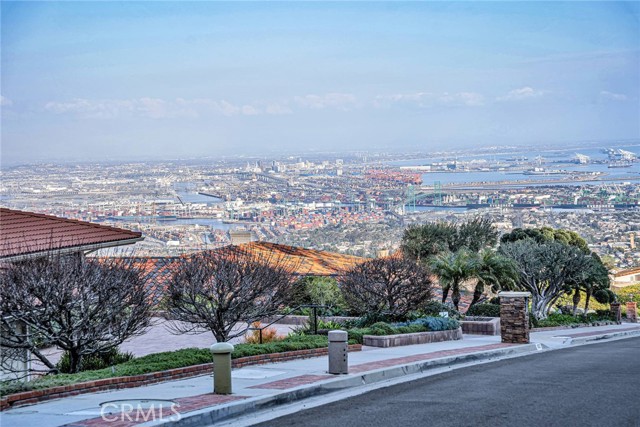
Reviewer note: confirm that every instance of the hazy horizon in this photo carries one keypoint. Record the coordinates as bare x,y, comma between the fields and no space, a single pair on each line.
107,80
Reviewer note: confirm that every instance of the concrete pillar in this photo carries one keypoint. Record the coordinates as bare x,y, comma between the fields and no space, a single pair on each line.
338,352
616,312
222,367
632,312
514,317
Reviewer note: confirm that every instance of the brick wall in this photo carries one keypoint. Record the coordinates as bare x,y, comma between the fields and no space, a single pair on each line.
413,338
481,325
514,318
36,396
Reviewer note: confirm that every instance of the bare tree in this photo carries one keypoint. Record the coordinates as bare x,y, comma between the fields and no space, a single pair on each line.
226,288
392,286
85,306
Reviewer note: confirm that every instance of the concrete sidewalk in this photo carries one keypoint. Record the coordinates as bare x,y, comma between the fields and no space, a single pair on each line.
266,386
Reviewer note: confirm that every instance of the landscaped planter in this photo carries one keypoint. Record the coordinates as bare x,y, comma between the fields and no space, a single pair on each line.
303,320
413,338
477,325
116,383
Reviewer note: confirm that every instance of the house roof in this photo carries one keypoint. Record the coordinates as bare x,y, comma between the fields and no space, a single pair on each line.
25,234
627,272
307,262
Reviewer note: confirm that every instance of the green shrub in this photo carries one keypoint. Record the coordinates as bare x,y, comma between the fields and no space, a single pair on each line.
484,310
433,308
604,296
356,334
95,361
604,314
372,318
601,317
558,320
382,328
433,323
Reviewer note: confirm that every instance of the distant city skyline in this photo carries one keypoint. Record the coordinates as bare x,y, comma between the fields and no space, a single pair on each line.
117,80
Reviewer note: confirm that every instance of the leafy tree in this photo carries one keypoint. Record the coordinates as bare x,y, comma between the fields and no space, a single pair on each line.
546,269
420,242
453,269
475,235
495,272
547,234
594,277
391,286
423,241
226,290
85,306
318,290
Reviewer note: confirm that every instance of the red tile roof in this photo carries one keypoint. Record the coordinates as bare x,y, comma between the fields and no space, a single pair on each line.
27,233
308,262
158,270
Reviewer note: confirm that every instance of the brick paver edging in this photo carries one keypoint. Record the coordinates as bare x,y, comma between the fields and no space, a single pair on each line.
36,396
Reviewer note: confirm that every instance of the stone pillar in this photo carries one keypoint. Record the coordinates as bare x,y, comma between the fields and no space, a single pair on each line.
632,312
514,317
616,313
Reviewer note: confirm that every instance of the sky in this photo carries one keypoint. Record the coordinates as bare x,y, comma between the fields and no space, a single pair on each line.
162,80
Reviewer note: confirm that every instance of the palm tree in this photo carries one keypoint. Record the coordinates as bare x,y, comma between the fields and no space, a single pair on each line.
453,269
495,272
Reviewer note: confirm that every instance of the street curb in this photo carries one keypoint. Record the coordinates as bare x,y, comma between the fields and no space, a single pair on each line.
209,416
584,340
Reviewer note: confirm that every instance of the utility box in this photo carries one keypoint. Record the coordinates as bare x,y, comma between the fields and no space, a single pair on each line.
338,352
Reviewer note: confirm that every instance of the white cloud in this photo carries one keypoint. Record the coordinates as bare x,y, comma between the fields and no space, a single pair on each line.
5,102
250,110
526,92
469,99
613,96
339,101
277,109
420,99
157,108
428,99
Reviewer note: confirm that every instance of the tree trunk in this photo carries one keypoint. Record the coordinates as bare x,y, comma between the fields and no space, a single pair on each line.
586,303
455,296
75,361
220,336
477,293
540,307
576,300
445,293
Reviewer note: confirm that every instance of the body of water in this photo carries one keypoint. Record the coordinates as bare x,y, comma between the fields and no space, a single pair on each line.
188,192
550,158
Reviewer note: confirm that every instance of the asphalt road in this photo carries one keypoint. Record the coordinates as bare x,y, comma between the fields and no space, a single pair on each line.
591,385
